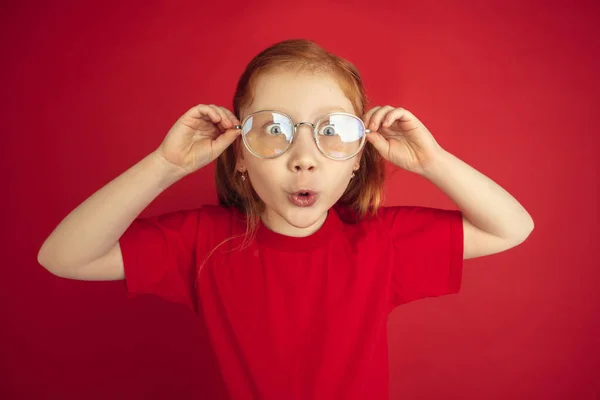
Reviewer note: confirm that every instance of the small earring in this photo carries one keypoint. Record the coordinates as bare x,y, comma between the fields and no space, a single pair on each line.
243,176
352,176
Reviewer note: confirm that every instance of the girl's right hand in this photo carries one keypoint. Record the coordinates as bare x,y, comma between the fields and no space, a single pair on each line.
198,137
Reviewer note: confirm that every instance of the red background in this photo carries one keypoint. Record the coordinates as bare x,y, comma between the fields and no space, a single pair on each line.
510,87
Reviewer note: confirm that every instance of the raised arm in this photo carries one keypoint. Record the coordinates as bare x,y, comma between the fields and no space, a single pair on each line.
493,221
85,245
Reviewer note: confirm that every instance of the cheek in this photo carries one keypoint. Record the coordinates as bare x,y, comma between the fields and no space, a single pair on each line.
342,169
338,176
269,176
265,175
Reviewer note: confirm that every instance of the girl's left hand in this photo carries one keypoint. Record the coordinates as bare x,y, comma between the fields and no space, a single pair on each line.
401,138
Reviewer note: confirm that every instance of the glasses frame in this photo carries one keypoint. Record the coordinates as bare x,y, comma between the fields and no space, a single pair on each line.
363,139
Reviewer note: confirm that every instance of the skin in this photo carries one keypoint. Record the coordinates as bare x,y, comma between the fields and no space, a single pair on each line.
304,97
494,221
85,245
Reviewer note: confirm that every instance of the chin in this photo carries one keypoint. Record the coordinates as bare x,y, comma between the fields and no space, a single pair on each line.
303,217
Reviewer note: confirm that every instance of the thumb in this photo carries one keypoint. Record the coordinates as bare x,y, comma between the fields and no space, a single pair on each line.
224,140
380,143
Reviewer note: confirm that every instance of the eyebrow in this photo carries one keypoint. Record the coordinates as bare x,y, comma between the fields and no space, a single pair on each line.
328,110
320,112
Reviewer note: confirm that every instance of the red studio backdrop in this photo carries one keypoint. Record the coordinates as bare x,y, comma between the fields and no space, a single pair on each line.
510,87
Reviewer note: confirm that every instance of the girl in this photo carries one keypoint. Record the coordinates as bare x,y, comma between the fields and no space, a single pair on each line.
296,271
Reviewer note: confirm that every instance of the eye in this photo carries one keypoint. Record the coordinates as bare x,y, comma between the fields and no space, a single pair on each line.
273,129
327,130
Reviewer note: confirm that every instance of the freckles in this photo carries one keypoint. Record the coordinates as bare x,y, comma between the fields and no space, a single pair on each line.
339,175
264,148
267,171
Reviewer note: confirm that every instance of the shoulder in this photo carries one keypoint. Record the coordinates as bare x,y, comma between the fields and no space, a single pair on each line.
192,221
407,219
411,216
383,214
208,212
219,214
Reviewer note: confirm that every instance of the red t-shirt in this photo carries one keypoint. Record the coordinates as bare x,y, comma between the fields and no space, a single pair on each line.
297,318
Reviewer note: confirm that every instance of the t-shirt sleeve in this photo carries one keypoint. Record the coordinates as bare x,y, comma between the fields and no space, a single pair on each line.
427,252
159,256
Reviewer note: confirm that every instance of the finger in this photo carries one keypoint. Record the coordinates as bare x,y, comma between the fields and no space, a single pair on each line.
204,112
398,114
378,117
232,118
369,114
225,123
224,140
380,144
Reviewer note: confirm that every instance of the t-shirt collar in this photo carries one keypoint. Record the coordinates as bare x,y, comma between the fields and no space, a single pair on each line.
330,227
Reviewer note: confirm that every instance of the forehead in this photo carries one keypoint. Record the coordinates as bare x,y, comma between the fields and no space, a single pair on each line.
301,95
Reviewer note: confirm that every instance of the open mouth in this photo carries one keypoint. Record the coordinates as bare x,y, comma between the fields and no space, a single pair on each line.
303,198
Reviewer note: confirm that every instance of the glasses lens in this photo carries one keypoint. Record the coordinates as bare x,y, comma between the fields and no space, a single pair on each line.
268,134
340,136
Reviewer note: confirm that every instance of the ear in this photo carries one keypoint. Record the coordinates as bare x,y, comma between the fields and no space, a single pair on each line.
357,160
240,163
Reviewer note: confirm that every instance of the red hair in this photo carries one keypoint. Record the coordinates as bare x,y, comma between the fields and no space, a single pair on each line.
364,193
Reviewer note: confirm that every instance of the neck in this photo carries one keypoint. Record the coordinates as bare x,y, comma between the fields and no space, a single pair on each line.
278,224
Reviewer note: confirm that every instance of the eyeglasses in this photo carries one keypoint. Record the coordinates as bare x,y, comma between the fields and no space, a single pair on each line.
269,134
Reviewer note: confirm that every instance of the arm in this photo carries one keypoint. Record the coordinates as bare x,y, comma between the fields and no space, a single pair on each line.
85,245
494,220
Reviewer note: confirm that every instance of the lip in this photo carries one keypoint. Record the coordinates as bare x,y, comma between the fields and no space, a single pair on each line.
307,200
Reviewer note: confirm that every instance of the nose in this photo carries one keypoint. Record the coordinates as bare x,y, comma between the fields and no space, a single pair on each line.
304,152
